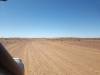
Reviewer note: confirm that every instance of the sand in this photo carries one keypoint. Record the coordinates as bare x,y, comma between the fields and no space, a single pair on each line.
56,57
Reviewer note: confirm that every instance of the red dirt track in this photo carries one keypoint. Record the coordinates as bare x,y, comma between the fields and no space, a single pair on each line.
57,57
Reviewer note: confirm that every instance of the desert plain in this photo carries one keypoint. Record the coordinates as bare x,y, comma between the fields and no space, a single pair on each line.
56,56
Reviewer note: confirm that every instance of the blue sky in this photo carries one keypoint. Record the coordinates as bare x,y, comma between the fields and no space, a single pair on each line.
50,18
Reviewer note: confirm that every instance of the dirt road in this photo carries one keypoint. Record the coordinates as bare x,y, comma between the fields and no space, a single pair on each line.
46,57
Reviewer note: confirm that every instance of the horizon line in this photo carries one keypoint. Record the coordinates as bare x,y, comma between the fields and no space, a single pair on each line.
51,37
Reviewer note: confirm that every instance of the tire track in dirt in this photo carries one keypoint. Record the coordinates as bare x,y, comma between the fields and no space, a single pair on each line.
43,57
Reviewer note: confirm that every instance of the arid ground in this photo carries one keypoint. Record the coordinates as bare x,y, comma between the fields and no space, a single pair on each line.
57,56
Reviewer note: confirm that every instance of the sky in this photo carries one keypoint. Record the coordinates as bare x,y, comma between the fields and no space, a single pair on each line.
50,18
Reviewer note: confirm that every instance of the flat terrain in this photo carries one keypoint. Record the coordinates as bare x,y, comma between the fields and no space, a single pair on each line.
56,57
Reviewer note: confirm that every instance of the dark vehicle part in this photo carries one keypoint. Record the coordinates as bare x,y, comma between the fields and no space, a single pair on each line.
20,64
8,63
3,0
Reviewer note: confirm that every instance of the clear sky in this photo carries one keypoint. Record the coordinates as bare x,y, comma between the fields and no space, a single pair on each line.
50,18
